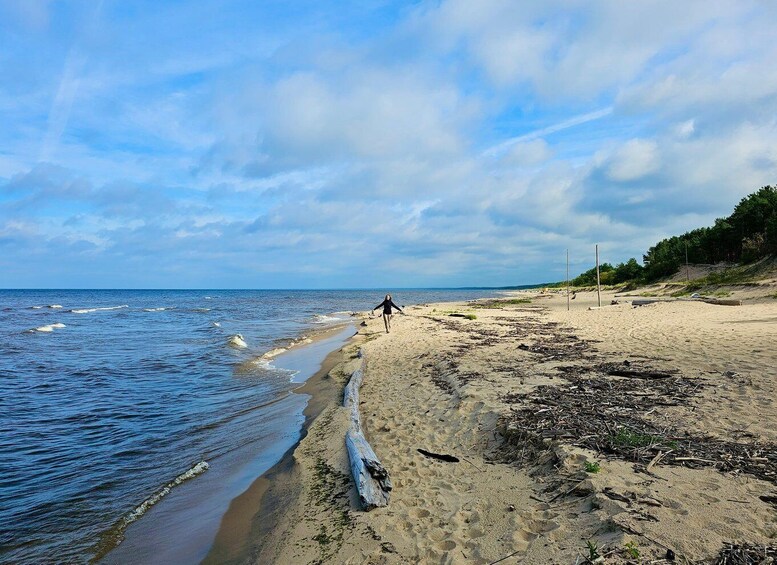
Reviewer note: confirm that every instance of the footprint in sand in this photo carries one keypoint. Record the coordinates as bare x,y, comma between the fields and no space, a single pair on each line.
446,545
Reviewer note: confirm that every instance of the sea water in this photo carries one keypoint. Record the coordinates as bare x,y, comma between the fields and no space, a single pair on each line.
113,401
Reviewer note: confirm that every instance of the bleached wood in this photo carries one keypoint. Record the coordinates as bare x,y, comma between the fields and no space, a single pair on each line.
371,478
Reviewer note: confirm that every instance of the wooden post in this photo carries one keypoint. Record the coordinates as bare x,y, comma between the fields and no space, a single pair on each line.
598,282
687,276
567,280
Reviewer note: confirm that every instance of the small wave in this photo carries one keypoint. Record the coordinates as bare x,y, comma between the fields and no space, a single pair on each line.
237,341
273,353
200,309
48,328
36,307
266,364
217,324
321,319
160,309
90,310
141,509
55,305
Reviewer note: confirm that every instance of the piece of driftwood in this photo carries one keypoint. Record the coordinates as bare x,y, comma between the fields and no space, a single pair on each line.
720,302
441,456
646,301
372,479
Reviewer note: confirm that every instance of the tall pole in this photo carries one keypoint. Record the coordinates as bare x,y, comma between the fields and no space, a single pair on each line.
687,275
567,279
598,282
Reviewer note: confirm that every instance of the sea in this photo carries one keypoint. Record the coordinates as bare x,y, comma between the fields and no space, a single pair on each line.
129,419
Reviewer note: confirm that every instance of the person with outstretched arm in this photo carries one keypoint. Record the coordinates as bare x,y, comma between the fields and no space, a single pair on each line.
387,304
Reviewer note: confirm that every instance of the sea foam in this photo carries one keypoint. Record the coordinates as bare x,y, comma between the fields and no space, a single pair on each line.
237,341
90,310
141,509
48,328
322,319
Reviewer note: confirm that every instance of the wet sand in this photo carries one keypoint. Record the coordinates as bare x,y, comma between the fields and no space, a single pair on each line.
252,515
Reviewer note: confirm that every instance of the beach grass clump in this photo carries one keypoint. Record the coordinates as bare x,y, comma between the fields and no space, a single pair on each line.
593,550
468,316
632,550
592,467
498,304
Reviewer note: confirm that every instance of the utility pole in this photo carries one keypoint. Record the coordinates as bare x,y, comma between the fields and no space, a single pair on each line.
598,281
687,275
567,280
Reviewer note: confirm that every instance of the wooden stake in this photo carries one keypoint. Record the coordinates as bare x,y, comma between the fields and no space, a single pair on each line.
598,282
567,280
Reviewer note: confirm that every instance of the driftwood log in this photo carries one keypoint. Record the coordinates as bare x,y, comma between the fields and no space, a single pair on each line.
371,478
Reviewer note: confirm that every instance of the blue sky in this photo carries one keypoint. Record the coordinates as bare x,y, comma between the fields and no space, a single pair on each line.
370,144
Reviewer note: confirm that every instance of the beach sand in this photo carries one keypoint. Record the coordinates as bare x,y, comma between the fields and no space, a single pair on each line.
454,385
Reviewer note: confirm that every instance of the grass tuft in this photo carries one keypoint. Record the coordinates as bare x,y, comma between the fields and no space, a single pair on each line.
592,467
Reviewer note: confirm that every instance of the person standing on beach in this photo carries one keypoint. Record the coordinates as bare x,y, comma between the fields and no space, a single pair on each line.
387,304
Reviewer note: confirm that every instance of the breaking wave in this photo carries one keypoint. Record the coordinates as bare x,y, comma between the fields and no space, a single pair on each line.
237,341
322,319
48,328
89,310
116,534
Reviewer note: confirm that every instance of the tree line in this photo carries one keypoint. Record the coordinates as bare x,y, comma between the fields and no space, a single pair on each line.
747,235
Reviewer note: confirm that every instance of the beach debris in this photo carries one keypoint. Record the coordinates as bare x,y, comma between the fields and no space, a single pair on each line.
720,302
746,554
372,479
625,370
646,301
610,416
440,456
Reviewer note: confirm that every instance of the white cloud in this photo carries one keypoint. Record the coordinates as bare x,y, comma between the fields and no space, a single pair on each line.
635,159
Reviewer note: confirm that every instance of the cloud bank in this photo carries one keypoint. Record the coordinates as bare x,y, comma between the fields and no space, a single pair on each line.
371,145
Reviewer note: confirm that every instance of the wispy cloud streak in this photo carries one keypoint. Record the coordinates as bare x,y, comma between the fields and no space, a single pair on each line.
501,148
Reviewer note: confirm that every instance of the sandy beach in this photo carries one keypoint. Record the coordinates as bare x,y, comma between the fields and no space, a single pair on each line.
632,434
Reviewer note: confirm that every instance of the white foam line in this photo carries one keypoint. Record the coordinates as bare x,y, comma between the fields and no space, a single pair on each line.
90,310
198,469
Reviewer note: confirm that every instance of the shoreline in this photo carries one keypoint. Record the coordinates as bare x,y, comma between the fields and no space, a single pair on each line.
227,480
245,522
454,385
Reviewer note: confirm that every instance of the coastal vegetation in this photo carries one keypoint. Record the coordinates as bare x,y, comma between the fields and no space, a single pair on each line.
744,238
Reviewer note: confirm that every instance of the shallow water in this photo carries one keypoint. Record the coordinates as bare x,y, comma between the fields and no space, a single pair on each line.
111,402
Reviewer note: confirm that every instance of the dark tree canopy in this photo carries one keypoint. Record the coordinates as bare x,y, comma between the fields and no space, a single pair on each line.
747,235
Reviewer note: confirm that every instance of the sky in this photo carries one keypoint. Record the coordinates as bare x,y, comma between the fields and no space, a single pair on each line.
370,144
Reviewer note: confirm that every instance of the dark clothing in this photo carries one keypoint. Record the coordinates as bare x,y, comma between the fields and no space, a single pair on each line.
386,305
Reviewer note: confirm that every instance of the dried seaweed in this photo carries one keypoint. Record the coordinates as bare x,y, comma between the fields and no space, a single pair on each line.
610,416
746,554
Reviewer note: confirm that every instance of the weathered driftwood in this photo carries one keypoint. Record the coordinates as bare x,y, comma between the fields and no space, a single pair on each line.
646,301
720,302
371,478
